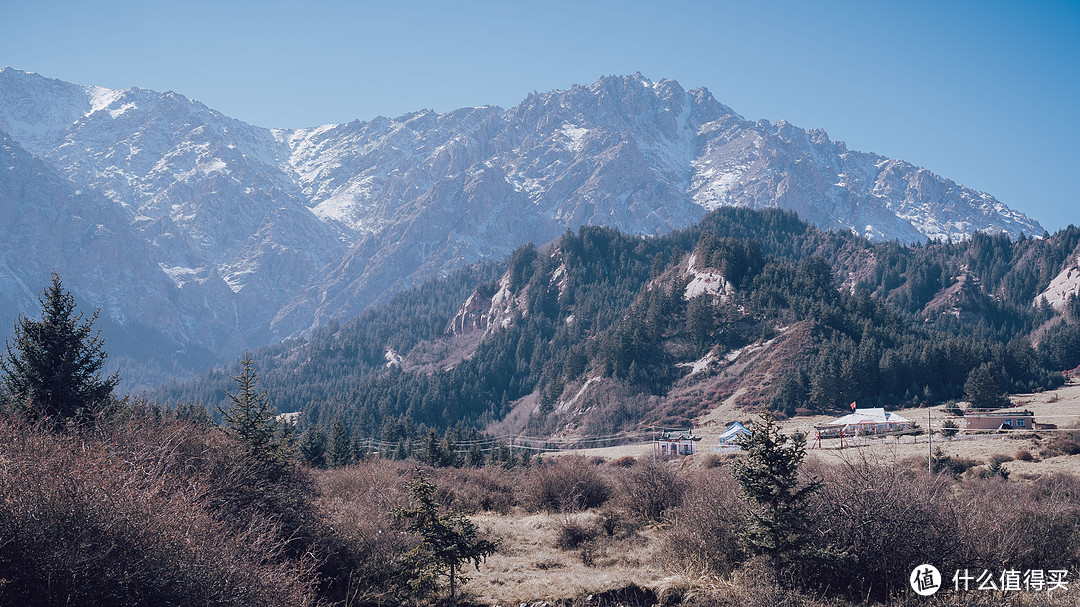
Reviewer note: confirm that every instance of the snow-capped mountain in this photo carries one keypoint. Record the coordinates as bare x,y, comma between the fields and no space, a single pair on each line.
252,234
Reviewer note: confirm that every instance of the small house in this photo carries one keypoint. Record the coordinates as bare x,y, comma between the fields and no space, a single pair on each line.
999,420
727,440
863,422
676,442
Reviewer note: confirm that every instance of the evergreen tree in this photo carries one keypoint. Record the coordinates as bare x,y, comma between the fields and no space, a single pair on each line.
790,393
949,428
769,477
983,388
338,452
312,446
474,458
358,450
435,453
251,422
448,540
448,447
52,367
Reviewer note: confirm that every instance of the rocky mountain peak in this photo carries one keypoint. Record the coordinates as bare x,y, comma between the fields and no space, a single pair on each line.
279,230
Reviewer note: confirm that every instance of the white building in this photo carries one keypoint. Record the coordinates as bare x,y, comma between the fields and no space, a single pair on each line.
863,422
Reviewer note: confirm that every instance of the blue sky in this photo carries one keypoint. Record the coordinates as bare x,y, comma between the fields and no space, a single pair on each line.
984,92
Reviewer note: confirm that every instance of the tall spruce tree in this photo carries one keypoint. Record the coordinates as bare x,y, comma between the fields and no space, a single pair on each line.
984,387
312,447
251,421
52,368
338,452
448,541
777,523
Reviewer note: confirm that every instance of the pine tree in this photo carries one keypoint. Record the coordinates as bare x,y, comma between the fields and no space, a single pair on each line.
52,367
984,389
474,458
448,540
339,454
769,478
312,447
251,421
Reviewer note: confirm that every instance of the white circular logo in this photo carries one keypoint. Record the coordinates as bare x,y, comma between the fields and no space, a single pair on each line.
925,580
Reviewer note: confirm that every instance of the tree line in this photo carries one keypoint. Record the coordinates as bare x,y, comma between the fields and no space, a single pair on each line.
887,324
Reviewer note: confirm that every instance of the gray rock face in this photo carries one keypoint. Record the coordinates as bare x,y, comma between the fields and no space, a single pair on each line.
244,235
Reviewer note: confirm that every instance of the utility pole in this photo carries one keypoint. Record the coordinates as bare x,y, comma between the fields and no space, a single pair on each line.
929,444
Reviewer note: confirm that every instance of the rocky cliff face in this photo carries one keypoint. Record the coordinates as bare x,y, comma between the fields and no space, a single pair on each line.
253,234
1065,285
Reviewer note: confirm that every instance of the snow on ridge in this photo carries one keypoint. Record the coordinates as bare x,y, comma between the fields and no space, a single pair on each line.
701,364
180,275
574,136
101,98
115,113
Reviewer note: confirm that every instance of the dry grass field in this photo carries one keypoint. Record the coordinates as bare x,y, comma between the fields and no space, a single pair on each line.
530,566
1060,407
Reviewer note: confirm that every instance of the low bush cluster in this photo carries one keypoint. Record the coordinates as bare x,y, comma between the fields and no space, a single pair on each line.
565,484
650,489
119,520
704,536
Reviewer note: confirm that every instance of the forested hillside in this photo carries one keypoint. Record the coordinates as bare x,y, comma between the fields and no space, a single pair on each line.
602,332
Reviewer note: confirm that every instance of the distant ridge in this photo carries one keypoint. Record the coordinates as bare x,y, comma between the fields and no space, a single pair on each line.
248,235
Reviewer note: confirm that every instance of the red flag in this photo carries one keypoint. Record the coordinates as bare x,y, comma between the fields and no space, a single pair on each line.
852,406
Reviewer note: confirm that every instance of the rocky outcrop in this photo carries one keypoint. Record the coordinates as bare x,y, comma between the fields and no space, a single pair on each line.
1065,285
963,299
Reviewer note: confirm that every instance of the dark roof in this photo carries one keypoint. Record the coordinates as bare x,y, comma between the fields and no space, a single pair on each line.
678,435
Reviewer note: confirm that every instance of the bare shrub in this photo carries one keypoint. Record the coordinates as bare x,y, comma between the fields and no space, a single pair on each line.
884,520
704,534
625,461
888,520
573,533
746,588
363,555
1024,455
649,489
616,524
82,525
1020,526
565,484
996,467
1062,443
713,460
951,464
473,490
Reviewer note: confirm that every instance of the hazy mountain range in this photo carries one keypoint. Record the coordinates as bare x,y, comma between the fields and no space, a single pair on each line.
198,234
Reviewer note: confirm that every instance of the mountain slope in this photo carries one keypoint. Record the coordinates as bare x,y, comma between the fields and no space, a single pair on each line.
47,225
603,331
308,225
